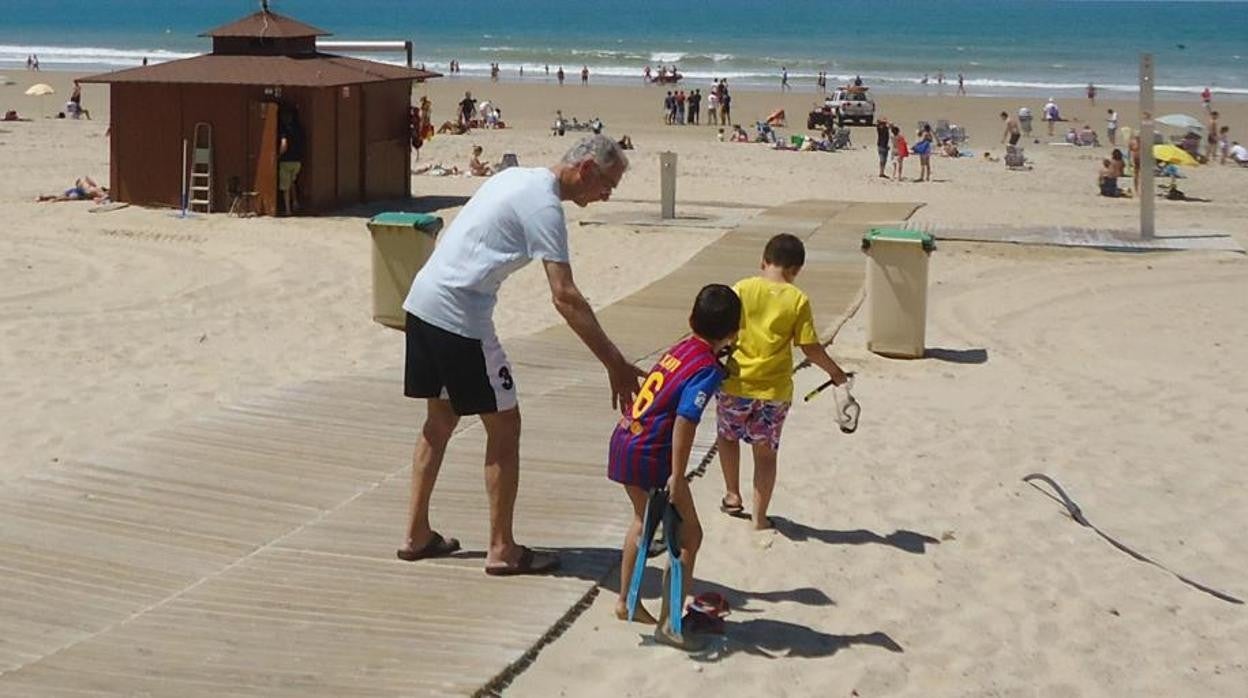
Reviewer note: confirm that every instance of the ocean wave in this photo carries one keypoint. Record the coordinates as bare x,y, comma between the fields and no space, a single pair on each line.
625,64
767,76
667,56
87,55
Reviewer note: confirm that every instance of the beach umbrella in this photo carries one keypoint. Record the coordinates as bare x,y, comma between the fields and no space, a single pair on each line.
1190,123
41,90
1172,154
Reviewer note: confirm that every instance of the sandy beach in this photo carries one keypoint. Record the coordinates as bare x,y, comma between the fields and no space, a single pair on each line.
910,559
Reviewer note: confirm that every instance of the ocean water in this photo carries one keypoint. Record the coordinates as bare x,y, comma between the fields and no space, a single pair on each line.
1022,47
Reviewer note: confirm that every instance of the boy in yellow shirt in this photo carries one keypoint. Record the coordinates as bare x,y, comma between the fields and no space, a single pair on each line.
754,402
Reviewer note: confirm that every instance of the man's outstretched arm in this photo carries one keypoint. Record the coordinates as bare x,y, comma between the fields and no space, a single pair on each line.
571,304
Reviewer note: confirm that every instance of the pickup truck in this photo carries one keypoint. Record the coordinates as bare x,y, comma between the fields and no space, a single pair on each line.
844,106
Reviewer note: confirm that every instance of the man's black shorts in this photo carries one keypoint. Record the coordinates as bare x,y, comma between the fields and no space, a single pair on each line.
472,373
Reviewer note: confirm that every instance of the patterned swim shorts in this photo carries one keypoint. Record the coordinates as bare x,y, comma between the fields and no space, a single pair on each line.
749,420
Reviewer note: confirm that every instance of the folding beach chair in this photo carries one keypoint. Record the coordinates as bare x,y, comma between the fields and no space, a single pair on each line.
509,160
840,139
1014,159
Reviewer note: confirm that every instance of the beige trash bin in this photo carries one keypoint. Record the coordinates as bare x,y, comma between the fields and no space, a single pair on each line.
897,291
401,244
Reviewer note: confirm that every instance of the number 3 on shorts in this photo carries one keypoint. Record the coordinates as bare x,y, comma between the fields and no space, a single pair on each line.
645,397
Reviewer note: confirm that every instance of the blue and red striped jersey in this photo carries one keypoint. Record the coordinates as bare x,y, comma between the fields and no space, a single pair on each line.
680,384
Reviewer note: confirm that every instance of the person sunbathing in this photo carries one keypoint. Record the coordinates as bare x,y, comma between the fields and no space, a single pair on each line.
436,170
1107,181
476,168
949,149
739,135
1087,136
84,189
453,128
1238,154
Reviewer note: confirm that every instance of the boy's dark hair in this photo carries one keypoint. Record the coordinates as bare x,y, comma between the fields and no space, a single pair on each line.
716,312
785,251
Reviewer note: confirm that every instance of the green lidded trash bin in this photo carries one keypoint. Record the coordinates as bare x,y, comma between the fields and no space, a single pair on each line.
401,244
897,290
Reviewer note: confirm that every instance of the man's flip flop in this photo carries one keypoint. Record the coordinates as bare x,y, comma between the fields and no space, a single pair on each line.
731,509
436,547
531,562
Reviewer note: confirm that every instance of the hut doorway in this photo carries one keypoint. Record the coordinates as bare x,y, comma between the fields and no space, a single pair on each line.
262,155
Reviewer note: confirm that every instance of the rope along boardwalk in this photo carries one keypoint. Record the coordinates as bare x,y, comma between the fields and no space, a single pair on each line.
250,552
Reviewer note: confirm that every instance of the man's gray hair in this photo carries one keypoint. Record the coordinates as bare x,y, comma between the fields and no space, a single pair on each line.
605,152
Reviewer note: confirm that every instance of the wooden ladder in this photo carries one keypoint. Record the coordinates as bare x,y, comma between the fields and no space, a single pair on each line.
201,169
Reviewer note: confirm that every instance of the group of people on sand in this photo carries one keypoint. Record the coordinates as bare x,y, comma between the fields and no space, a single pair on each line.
890,141
738,351
680,108
475,167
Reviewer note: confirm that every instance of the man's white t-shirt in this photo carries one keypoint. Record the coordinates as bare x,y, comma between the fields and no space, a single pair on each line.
514,218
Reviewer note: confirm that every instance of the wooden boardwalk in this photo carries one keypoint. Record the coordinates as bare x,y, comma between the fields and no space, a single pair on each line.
250,552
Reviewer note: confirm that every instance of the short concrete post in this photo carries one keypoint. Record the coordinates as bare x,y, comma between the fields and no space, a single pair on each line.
667,183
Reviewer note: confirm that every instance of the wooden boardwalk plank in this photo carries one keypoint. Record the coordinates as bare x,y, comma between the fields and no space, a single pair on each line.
250,551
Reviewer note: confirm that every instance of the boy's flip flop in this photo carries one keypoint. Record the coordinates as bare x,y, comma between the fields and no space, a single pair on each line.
731,509
531,562
436,547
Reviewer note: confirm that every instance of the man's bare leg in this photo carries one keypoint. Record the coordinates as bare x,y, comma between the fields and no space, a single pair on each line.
502,481
440,423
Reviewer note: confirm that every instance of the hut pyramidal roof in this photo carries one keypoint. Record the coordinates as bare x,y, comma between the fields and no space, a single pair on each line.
302,68
266,25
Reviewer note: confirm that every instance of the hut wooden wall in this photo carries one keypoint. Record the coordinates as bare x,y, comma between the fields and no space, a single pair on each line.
146,144
356,141
350,171
387,144
318,183
224,108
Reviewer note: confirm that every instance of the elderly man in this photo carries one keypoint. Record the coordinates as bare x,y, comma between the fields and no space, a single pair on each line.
454,359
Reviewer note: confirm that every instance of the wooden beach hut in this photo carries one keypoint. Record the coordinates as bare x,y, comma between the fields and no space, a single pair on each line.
225,107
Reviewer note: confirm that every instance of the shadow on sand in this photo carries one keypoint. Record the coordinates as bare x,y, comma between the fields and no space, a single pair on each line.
909,541
958,356
775,639
763,637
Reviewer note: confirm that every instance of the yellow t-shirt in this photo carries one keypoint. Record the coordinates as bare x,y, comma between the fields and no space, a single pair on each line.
774,318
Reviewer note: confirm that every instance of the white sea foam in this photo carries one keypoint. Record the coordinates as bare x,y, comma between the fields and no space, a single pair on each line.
667,57
52,56
614,64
